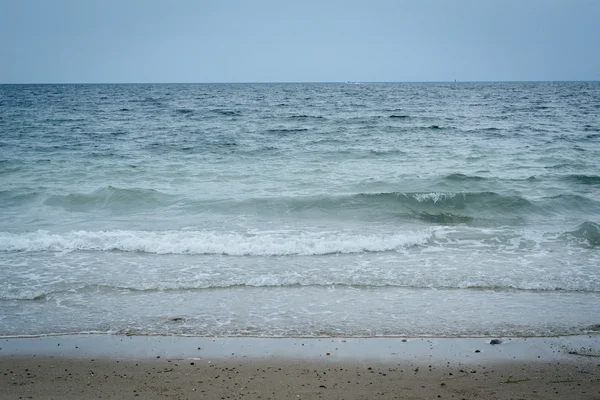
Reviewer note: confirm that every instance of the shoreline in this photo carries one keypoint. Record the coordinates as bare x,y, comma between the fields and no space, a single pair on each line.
388,349
165,367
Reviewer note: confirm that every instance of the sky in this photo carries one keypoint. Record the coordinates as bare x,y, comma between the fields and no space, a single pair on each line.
129,41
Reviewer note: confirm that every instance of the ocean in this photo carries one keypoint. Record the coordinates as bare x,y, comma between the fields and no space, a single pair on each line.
300,210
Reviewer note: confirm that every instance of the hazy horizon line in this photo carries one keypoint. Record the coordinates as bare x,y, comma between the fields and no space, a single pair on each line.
294,82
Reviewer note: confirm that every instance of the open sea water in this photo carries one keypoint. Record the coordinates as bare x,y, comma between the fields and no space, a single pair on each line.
458,209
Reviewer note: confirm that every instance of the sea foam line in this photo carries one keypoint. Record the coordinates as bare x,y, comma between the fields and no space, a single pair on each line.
210,242
580,286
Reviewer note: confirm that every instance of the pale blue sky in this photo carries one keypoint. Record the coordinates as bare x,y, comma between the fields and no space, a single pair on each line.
298,41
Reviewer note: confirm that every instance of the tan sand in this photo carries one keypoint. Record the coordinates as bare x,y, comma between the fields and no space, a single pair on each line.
387,369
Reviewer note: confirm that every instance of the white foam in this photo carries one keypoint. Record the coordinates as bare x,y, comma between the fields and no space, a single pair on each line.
434,196
268,243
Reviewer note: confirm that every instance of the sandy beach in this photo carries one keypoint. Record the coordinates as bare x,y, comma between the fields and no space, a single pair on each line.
114,367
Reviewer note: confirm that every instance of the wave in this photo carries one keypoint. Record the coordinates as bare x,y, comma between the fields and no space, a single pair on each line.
110,198
570,202
227,113
287,130
431,207
392,152
488,129
583,179
297,281
445,218
304,116
424,201
588,232
452,200
463,178
17,197
211,243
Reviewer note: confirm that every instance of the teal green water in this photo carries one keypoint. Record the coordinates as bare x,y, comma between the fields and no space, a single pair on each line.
300,209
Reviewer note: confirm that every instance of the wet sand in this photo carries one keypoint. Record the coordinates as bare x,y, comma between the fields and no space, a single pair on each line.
114,367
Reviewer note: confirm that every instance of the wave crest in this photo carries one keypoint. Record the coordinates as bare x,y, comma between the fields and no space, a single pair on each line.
587,231
109,197
455,200
208,242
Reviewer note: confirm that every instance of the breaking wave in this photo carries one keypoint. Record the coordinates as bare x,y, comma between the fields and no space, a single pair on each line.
587,232
201,242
